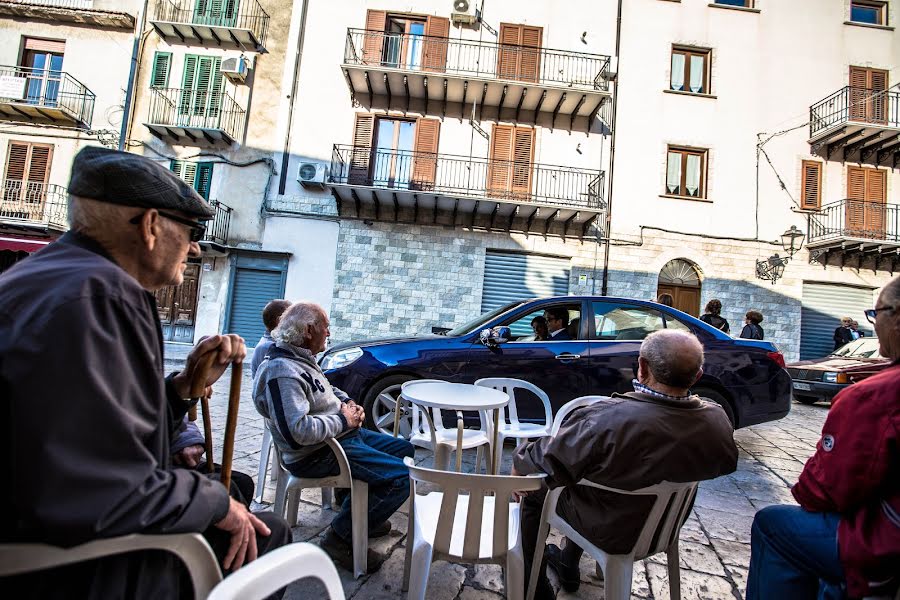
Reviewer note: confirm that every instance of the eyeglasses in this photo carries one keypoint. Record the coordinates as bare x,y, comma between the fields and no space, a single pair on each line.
872,313
197,229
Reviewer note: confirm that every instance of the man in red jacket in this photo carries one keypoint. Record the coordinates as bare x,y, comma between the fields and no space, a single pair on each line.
844,538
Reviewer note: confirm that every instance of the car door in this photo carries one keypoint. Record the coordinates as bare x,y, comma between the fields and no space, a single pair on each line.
559,367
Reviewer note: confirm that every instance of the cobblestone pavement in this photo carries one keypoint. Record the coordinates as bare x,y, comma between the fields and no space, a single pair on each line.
715,541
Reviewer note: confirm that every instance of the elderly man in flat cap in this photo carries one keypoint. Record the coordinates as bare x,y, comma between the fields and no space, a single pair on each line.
85,413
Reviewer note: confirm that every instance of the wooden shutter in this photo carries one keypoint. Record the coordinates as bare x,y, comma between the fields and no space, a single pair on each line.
54,46
811,191
361,154
876,184
162,61
27,172
856,201
530,54
508,56
373,39
519,56
187,84
500,162
425,158
859,79
434,54
203,179
878,81
523,155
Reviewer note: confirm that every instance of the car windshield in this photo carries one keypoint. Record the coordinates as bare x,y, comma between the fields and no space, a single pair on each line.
862,348
477,322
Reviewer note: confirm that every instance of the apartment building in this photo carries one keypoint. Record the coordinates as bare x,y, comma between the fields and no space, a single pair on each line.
704,83
444,158
54,101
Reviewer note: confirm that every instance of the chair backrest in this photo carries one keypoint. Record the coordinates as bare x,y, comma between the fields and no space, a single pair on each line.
478,486
509,386
669,512
190,548
568,407
278,568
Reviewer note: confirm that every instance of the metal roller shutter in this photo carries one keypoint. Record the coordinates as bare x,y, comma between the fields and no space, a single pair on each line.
253,289
509,277
823,306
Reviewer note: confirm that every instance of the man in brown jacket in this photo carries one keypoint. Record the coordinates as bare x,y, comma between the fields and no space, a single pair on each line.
659,432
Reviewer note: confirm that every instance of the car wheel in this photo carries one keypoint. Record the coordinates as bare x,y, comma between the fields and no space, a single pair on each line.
806,399
718,399
381,402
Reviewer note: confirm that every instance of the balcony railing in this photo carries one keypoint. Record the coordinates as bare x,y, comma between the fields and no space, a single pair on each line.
217,227
856,219
85,4
462,176
465,58
34,203
190,109
227,14
46,93
857,105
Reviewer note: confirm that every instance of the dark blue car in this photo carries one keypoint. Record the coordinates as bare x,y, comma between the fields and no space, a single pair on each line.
746,377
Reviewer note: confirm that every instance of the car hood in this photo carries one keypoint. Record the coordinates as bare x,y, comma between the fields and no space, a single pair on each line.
837,363
382,342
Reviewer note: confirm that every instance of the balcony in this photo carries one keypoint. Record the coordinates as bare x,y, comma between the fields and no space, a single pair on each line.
459,191
478,80
44,96
29,205
70,11
216,235
195,117
240,24
855,123
855,230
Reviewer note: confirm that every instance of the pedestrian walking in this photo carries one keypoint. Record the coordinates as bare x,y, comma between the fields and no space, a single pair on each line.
713,317
752,330
843,334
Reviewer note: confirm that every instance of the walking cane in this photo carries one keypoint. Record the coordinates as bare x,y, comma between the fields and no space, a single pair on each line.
234,401
198,390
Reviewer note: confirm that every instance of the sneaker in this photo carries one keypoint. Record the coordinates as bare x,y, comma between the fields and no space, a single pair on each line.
380,530
341,552
569,576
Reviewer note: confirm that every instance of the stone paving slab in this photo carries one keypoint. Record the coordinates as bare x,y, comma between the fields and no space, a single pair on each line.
715,540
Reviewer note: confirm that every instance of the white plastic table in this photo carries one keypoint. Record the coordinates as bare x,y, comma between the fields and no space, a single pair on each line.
458,397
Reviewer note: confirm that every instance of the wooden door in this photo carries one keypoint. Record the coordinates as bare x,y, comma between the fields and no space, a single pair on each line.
425,156
511,162
519,56
177,305
868,101
686,299
866,195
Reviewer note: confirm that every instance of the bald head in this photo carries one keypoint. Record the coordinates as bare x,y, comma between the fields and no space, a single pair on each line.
887,322
674,358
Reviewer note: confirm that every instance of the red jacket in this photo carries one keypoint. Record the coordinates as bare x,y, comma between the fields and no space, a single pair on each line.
856,472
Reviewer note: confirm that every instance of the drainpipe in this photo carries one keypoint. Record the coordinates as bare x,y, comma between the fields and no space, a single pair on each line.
132,75
612,150
285,155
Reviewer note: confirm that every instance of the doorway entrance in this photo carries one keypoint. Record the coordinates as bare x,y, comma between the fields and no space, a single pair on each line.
681,280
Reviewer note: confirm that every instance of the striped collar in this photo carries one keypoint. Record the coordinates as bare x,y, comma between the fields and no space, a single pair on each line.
643,389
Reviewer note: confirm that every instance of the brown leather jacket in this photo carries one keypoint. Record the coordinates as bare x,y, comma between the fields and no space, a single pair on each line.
629,441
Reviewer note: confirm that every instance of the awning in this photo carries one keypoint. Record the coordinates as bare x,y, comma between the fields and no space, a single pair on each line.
22,244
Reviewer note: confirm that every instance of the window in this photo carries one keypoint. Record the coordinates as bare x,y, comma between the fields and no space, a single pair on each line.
868,101
27,172
624,322
868,11
811,190
522,330
162,62
197,174
686,172
865,212
520,52
43,60
741,3
690,70
202,86
394,152
510,165
405,41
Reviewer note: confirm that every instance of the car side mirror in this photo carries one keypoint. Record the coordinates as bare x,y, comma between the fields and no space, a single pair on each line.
495,336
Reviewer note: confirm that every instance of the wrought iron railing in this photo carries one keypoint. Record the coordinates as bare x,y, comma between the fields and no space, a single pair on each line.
856,219
196,109
542,66
87,4
49,89
231,14
465,176
217,227
859,105
34,203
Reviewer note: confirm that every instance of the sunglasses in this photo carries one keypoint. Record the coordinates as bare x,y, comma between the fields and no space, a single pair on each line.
872,313
197,229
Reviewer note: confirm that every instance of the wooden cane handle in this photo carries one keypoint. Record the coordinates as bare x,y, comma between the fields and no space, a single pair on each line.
192,413
201,374
234,401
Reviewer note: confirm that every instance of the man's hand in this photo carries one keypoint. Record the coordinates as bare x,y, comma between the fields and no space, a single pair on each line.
189,457
518,496
227,349
243,527
353,413
359,409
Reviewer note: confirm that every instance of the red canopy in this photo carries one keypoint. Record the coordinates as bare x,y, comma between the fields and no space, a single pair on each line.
18,244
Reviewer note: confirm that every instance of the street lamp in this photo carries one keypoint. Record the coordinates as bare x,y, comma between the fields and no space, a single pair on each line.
792,241
772,268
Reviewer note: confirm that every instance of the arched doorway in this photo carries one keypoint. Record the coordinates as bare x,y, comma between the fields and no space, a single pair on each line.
681,279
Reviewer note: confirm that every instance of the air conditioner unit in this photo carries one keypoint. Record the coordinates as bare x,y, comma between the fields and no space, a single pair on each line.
465,14
312,174
235,69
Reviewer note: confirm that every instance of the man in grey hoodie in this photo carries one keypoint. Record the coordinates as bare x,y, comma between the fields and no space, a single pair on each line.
302,410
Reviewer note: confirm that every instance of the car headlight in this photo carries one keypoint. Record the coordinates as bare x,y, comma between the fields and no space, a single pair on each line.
341,358
831,377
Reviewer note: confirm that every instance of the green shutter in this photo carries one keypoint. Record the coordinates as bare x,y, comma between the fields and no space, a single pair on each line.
203,179
187,84
159,78
218,13
202,85
186,170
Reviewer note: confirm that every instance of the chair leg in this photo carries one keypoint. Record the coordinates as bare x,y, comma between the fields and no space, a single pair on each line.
280,495
327,497
410,534
442,457
617,585
479,456
674,571
419,567
359,518
543,530
515,575
293,507
265,451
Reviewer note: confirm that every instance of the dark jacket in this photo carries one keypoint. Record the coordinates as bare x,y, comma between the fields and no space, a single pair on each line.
86,418
629,442
842,335
752,331
716,321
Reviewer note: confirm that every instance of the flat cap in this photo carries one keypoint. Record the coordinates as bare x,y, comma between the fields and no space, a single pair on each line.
133,180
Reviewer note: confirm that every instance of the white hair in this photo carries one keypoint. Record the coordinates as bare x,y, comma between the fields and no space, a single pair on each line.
298,323
674,357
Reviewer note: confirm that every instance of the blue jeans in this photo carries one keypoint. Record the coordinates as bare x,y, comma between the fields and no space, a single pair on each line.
794,555
375,458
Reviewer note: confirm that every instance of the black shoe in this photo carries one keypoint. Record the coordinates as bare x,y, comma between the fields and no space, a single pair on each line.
569,576
341,552
380,530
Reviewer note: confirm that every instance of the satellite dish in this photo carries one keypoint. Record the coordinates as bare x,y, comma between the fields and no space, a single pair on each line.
461,5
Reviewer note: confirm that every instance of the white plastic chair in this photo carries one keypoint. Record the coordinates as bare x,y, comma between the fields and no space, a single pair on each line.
287,500
266,465
479,528
273,571
663,524
191,548
428,432
511,427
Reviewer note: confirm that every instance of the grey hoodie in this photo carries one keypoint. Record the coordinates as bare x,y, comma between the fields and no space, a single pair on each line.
301,408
